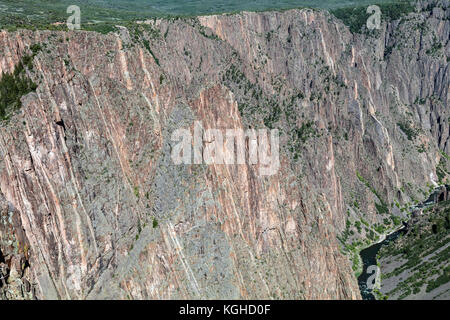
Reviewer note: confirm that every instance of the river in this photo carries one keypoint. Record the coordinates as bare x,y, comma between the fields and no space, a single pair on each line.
369,255
369,258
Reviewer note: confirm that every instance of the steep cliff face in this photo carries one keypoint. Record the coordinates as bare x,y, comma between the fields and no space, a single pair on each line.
14,253
86,167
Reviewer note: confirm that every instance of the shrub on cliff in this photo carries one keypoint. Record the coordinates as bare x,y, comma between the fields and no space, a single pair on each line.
15,85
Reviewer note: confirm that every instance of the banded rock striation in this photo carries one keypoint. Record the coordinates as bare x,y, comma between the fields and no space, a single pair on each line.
85,164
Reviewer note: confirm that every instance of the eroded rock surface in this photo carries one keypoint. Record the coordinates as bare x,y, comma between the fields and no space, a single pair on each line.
85,164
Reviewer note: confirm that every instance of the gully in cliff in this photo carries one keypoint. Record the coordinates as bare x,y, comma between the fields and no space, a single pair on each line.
210,147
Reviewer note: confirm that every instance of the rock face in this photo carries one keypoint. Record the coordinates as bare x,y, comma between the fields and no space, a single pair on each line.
14,253
85,165
442,195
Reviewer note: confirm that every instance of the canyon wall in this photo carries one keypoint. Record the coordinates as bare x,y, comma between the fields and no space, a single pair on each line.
93,207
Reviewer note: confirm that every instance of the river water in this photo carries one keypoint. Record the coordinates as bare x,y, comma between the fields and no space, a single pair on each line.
369,255
369,258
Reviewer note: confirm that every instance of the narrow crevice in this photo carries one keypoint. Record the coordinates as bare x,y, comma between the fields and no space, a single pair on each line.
61,124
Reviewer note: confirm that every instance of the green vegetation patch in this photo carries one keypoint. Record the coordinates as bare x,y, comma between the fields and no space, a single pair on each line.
155,223
426,237
410,132
441,168
15,85
439,281
356,17
101,16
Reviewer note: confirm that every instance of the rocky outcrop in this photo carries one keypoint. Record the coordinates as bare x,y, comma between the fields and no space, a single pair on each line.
14,253
442,194
107,214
